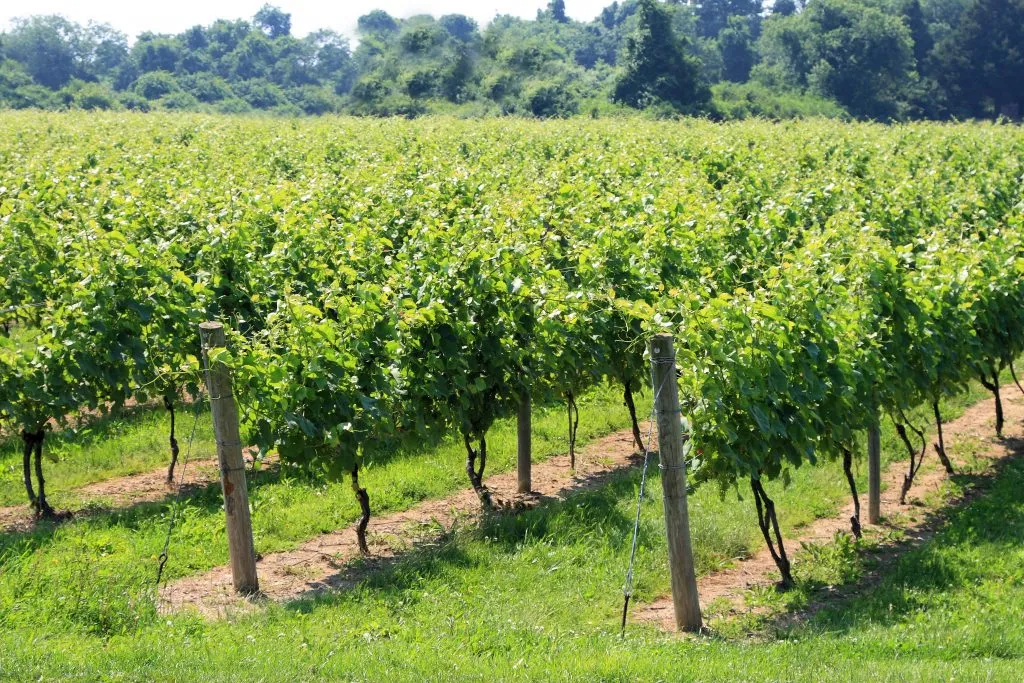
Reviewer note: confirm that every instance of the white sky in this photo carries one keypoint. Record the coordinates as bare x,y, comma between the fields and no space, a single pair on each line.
173,16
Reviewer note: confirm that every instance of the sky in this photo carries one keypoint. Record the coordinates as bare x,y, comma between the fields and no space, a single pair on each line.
173,16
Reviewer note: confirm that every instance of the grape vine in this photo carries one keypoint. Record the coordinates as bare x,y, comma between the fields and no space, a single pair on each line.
388,280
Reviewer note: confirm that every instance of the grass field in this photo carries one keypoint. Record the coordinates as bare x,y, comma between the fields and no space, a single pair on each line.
535,595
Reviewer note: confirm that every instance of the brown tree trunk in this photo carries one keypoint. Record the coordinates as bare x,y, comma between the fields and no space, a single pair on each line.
476,476
940,447
573,414
364,505
1013,374
43,508
768,520
848,469
916,458
999,405
28,447
993,386
627,396
169,405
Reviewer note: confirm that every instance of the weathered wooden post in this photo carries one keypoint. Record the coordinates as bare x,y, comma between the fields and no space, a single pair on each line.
673,483
232,466
874,474
524,443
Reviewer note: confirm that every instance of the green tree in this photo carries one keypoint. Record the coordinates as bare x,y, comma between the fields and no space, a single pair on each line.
617,13
854,53
459,26
556,8
913,17
552,101
981,63
260,93
156,53
784,8
313,100
253,58
457,74
293,62
107,49
377,22
736,43
156,84
224,36
195,38
655,67
206,87
332,59
421,38
88,96
47,46
713,15
18,91
273,21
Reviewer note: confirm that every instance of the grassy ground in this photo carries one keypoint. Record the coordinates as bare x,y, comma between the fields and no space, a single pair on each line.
89,571
135,441
532,596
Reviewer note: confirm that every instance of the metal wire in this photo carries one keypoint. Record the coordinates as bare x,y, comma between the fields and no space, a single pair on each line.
627,589
165,554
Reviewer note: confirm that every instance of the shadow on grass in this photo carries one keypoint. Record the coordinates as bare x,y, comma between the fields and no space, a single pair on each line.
96,426
206,497
100,428
902,574
591,507
413,444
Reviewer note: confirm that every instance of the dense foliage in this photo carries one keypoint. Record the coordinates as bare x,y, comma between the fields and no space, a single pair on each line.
877,59
390,280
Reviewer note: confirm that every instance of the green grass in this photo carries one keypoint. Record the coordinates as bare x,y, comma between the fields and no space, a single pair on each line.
536,597
137,441
531,596
117,548
113,446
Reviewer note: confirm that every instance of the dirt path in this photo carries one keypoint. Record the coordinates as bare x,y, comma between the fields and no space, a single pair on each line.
324,562
142,487
132,489
973,431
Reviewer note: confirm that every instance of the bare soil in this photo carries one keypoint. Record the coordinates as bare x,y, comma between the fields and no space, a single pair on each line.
974,431
122,492
117,491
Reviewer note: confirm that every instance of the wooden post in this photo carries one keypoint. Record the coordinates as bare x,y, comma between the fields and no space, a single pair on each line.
673,483
524,443
874,475
232,467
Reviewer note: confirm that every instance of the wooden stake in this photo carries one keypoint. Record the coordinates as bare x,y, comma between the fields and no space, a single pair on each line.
874,475
671,449
524,443
232,467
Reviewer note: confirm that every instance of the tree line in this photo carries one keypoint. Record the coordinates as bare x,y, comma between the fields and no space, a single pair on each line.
871,59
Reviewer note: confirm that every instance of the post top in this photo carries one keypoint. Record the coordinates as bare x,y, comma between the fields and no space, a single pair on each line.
661,346
211,325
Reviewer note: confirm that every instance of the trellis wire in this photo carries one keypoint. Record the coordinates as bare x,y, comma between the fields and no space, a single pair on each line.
165,554
627,589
